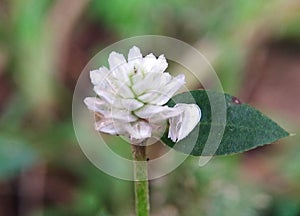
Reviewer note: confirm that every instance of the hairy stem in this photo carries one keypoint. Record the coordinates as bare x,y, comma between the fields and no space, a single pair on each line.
141,180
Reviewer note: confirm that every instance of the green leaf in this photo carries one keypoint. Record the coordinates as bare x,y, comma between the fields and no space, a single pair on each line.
244,127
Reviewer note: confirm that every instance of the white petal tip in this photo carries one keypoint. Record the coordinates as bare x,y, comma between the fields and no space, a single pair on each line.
134,54
182,125
89,101
181,78
135,49
95,77
115,60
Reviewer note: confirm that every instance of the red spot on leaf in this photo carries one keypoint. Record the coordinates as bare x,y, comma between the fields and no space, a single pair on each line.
236,100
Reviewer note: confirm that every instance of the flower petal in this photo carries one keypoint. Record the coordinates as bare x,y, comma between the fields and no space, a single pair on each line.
131,104
115,87
139,130
169,90
119,67
160,65
149,82
149,96
148,62
153,65
121,115
98,76
109,111
115,60
136,78
110,126
125,91
156,113
134,55
97,105
183,124
107,96
157,88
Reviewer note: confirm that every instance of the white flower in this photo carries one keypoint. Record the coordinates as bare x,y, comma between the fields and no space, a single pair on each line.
132,96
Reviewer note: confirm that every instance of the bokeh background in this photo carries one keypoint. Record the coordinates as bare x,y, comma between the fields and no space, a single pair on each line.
254,47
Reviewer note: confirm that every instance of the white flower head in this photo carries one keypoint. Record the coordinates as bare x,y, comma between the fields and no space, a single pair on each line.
131,98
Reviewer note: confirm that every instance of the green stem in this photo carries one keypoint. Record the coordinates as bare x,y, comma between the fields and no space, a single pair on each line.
141,180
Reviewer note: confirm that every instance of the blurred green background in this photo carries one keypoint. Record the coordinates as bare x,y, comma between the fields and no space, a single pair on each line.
254,47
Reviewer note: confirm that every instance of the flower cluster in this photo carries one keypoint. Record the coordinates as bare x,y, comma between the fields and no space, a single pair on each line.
131,98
